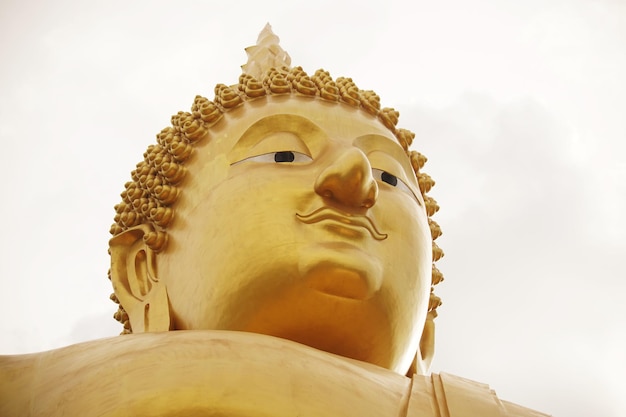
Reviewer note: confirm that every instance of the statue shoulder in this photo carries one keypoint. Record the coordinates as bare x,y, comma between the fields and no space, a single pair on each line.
453,396
227,373
196,373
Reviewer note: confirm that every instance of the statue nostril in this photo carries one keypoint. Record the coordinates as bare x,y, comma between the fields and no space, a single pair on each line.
348,180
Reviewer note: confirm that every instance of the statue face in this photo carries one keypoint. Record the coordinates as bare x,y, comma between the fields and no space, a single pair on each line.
302,220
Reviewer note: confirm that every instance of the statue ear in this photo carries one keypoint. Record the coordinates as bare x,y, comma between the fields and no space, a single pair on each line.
427,343
426,351
135,282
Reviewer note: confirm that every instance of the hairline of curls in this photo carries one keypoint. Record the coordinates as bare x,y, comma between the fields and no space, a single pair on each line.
150,196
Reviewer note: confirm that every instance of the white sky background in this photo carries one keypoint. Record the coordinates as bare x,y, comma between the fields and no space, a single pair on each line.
520,107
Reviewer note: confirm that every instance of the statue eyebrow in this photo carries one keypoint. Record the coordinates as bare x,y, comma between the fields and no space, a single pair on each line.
375,142
311,134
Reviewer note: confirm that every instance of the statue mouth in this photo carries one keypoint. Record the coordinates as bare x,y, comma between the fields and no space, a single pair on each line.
348,219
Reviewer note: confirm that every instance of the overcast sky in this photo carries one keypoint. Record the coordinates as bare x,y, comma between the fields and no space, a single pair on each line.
519,106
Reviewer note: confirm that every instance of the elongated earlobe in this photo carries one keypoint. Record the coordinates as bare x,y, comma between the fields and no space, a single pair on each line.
135,281
426,351
427,343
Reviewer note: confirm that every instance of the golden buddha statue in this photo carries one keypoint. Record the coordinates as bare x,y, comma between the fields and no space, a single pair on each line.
272,255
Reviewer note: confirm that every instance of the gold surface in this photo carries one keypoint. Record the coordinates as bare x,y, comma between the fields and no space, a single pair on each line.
221,373
199,373
290,206
318,250
284,231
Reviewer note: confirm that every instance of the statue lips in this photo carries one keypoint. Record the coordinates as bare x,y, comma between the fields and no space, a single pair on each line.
348,219
346,271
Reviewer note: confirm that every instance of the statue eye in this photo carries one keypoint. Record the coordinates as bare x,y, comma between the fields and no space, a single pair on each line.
281,157
389,178
284,156
393,181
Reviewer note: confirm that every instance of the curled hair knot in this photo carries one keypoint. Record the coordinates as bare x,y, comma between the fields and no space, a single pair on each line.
436,274
250,86
425,182
208,111
417,160
226,97
155,240
431,205
433,302
348,91
370,101
437,252
405,137
193,128
389,117
435,230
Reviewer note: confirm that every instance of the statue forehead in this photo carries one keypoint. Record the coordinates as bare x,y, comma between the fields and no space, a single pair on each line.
315,120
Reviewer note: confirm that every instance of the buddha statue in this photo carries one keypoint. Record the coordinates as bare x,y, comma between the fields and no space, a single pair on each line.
273,254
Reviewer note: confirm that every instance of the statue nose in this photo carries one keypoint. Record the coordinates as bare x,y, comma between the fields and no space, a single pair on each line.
348,180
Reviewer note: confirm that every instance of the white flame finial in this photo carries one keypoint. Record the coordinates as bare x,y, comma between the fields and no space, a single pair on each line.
266,54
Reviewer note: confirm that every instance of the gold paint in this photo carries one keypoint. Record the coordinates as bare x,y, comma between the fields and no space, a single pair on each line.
285,230
353,220
281,224
161,179
213,373
151,205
